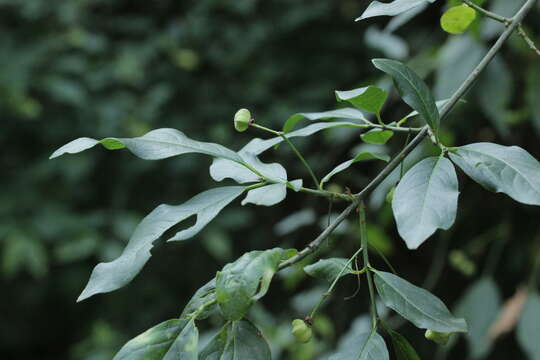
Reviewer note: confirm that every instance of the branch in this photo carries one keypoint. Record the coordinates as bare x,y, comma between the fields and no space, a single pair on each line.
506,21
467,84
527,39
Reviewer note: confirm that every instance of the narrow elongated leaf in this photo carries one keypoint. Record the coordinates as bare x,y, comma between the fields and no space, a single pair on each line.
170,340
113,275
529,327
377,8
426,200
345,113
329,269
268,195
155,145
370,98
377,136
412,90
417,305
502,169
345,165
367,346
247,279
402,347
239,340
480,306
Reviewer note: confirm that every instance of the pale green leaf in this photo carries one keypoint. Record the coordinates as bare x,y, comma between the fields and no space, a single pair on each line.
426,200
268,195
370,98
113,275
155,145
377,136
345,165
417,305
502,169
247,279
396,7
224,168
329,269
238,340
367,346
345,113
528,327
412,90
170,340
480,306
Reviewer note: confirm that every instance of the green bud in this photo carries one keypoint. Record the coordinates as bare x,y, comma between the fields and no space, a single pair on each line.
390,195
301,331
437,337
461,262
242,119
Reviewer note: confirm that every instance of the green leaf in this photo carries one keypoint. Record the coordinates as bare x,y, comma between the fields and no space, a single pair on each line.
246,280
480,306
377,136
367,346
222,169
345,165
502,169
329,269
200,300
170,340
417,305
402,347
412,90
426,200
369,98
345,113
268,195
457,19
113,275
529,327
155,145
377,8
238,340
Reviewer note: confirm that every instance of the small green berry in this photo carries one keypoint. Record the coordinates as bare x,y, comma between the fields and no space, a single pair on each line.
242,120
301,331
437,337
390,195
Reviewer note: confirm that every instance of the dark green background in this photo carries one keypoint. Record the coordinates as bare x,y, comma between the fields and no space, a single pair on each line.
120,68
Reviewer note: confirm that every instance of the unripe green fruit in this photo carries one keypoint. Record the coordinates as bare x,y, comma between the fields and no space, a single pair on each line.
242,120
301,331
438,337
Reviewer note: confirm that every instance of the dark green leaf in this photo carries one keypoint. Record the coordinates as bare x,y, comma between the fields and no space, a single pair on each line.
502,169
205,295
113,275
247,279
170,340
402,347
345,113
528,327
367,346
377,136
417,305
329,269
426,200
412,89
369,98
238,340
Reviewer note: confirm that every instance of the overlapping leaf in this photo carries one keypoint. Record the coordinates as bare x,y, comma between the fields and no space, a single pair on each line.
329,269
345,113
370,98
367,346
112,275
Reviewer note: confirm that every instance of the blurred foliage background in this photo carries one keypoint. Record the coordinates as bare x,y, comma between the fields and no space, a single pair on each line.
120,68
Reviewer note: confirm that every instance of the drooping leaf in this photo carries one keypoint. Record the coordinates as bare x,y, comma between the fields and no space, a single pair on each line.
345,113
238,340
329,269
529,327
417,305
367,346
502,169
402,347
224,168
377,8
377,136
412,90
345,165
198,302
480,306
426,200
170,340
155,145
457,19
370,98
113,275
246,280
268,195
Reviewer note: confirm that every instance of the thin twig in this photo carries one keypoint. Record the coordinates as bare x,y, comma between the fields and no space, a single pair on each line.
527,39
365,252
506,21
